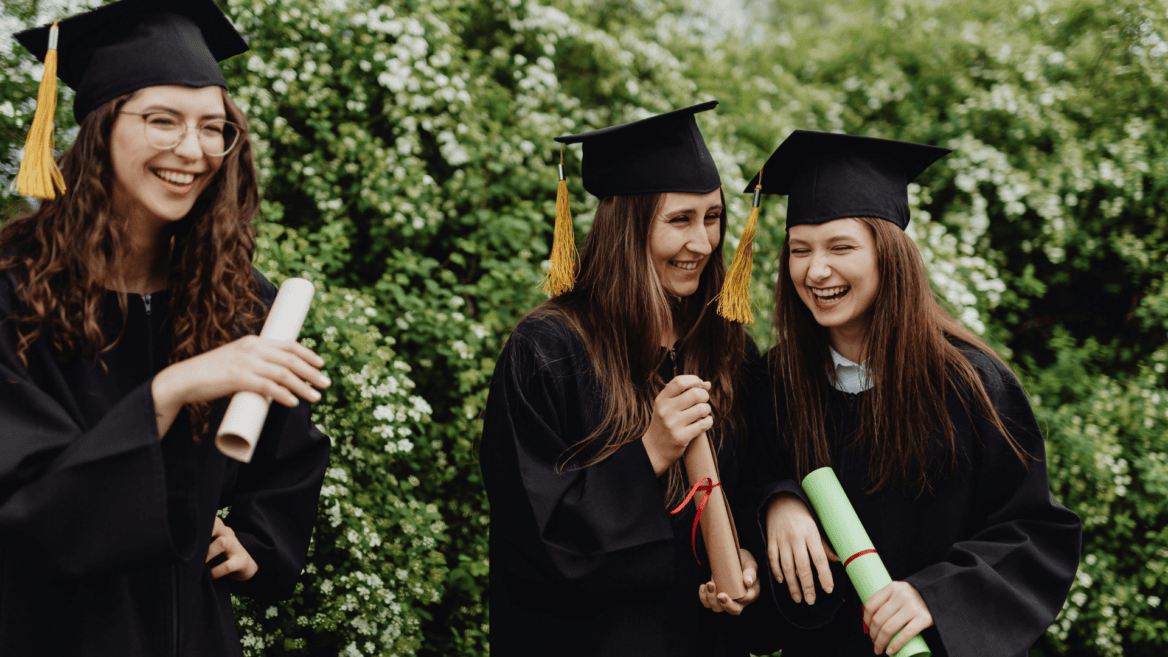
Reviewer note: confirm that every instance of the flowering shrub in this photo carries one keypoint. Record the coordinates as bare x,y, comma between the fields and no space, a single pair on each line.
406,154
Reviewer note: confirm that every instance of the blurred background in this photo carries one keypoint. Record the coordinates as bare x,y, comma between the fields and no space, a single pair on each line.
408,168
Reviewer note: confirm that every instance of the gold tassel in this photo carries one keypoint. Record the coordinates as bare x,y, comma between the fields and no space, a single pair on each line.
734,301
561,276
38,170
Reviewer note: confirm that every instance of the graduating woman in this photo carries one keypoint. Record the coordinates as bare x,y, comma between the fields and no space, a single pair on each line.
127,304
596,396
927,429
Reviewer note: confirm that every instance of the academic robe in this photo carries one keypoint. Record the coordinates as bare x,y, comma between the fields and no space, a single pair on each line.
990,550
104,528
585,561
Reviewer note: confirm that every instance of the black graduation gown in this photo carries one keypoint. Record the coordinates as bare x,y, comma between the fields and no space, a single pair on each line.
990,550
104,528
584,562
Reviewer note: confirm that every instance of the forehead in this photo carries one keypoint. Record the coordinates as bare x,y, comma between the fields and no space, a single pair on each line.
201,101
835,230
679,202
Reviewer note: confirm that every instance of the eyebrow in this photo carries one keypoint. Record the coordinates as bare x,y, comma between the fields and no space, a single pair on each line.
171,110
831,240
674,213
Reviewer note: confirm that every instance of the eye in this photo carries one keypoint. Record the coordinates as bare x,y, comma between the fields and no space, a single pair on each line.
213,129
842,248
800,251
711,218
163,121
679,219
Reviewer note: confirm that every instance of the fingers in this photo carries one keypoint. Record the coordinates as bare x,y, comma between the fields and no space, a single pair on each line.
694,413
682,383
803,570
787,556
887,624
819,557
831,555
910,630
218,528
773,558
217,547
708,594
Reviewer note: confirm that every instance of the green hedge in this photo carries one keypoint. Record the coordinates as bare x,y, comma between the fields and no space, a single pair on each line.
407,163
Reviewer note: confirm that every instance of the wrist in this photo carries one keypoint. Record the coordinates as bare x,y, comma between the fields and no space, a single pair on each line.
167,394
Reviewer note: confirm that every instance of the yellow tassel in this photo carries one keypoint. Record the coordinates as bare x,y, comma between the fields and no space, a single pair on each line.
561,276
38,170
734,301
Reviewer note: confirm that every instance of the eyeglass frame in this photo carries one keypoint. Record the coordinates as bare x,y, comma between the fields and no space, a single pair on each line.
186,129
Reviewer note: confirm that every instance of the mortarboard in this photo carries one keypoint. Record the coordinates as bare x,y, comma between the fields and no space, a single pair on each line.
831,176
116,49
662,153
827,176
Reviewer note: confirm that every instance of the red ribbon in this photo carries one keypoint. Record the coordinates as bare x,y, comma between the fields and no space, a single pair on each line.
858,554
707,488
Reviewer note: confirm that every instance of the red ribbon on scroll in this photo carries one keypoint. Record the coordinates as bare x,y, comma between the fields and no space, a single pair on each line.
707,488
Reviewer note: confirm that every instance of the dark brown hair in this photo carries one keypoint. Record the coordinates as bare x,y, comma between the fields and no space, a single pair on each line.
64,254
620,310
910,357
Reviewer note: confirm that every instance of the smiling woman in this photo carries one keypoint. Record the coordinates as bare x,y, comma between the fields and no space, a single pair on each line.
123,300
927,429
595,398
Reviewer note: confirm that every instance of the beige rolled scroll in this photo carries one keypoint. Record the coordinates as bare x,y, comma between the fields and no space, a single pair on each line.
241,426
717,522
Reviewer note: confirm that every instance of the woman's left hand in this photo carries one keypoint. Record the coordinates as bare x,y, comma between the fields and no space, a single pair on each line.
712,599
895,608
239,564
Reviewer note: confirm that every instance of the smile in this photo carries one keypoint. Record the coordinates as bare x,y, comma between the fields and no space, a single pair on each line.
176,181
688,265
829,297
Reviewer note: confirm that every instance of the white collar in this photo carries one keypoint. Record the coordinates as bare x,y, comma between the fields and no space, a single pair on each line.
850,377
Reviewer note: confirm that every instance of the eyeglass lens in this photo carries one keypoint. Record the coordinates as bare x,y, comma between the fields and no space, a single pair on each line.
216,137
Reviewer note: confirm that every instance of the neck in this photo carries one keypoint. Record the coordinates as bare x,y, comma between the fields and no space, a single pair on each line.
144,262
850,342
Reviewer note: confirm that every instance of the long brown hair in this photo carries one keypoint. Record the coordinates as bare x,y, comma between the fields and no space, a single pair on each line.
911,359
64,254
619,309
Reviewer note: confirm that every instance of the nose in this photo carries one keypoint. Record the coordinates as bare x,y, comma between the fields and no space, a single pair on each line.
188,148
699,240
818,270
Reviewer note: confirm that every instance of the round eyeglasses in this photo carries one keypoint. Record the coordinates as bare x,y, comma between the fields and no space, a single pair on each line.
166,131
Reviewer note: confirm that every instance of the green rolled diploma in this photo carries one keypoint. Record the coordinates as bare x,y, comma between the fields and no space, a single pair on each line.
848,537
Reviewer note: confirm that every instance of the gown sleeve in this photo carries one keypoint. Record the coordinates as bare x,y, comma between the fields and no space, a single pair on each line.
274,500
996,592
79,502
602,528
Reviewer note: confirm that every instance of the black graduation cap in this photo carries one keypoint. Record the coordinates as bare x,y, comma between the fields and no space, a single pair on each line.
831,176
131,44
663,153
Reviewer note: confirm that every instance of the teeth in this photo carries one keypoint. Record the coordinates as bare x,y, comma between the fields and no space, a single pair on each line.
684,265
174,176
829,291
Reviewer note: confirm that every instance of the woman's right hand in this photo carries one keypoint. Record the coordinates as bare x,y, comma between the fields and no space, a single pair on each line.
285,371
794,544
681,413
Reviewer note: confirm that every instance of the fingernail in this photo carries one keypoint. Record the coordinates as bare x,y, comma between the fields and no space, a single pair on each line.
325,380
315,395
810,600
828,589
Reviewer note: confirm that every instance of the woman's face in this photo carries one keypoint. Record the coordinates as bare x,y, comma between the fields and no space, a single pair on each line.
155,184
833,267
685,231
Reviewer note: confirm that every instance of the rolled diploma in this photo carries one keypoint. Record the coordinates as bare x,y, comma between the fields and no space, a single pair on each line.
848,537
241,426
717,522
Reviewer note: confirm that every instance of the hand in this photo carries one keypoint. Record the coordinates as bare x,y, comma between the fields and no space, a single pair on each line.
280,370
712,599
680,413
895,608
239,564
793,544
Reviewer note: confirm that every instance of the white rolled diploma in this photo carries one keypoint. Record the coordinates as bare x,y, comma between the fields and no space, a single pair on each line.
241,426
717,522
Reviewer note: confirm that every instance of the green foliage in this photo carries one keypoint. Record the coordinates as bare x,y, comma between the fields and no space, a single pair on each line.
406,156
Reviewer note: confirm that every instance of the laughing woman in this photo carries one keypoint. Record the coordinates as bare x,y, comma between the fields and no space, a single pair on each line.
126,304
594,399
927,429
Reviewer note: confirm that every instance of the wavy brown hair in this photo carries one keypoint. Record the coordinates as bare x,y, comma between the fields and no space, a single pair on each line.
620,310
64,255
911,358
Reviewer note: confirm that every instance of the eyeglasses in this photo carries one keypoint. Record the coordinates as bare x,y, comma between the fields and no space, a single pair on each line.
166,131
